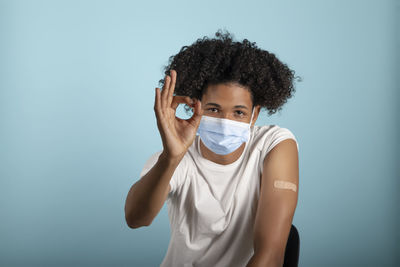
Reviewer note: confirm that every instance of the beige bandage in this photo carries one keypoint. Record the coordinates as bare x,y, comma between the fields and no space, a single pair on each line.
285,185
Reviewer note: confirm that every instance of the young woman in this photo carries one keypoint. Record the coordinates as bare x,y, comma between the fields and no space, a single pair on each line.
232,189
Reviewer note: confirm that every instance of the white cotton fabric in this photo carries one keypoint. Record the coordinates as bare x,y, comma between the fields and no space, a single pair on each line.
212,207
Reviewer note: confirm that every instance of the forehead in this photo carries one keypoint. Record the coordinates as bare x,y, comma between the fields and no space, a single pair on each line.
227,93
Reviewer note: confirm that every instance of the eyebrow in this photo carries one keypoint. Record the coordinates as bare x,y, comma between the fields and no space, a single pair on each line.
237,106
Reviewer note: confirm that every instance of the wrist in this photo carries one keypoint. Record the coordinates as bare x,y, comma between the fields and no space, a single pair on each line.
174,160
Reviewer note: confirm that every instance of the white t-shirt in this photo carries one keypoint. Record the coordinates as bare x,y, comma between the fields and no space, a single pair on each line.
212,207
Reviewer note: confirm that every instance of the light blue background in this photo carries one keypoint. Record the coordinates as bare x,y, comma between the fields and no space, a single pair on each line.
77,83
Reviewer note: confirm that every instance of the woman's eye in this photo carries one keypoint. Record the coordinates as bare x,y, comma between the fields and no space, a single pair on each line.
238,112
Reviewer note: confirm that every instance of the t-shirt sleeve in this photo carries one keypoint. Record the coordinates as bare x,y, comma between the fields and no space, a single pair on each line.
151,161
177,177
279,135
276,135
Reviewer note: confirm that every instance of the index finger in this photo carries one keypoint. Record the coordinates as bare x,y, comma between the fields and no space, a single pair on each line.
177,99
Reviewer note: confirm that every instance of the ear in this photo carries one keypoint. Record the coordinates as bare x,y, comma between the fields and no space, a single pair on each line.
257,110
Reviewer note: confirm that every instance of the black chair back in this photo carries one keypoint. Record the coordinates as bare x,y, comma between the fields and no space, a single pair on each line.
292,249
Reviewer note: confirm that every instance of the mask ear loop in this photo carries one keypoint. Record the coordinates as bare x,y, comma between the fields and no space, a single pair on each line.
251,119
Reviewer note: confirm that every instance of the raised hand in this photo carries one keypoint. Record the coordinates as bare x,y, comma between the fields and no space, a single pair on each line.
177,134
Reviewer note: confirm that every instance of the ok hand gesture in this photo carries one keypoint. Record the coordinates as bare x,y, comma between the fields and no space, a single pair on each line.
177,134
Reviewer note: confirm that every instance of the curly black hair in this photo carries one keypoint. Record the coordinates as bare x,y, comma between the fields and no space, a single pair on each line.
222,60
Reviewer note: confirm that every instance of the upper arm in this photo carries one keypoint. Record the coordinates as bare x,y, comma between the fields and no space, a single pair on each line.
276,206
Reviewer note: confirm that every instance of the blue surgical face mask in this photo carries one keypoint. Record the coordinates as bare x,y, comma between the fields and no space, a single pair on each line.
223,136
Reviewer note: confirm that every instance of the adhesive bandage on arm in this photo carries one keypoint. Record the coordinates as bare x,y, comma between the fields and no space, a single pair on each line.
285,185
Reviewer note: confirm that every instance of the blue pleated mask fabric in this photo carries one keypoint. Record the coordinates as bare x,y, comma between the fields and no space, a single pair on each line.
223,136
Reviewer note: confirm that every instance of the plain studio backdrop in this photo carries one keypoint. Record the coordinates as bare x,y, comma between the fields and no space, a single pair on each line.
77,83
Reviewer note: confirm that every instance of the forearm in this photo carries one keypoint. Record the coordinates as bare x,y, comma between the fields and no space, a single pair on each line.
146,197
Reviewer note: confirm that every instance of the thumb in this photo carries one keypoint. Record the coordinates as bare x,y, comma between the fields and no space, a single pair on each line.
198,113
